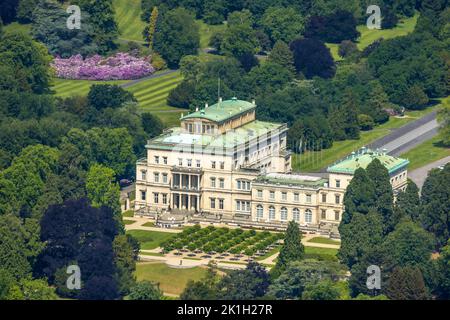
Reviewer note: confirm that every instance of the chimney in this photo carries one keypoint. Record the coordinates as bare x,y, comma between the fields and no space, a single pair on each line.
253,102
220,99
196,109
206,105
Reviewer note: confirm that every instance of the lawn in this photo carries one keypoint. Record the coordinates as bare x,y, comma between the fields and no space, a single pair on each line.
324,240
149,224
427,152
128,17
127,222
150,239
368,36
151,94
65,88
171,280
314,161
129,214
321,253
206,32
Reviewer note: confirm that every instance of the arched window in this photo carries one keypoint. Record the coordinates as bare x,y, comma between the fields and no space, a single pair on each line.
296,214
308,216
259,211
271,213
283,213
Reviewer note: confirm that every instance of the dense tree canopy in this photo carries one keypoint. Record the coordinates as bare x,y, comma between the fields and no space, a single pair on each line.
177,35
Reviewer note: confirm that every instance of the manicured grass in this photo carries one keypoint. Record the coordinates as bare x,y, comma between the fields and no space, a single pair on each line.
321,253
128,17
150,239
314,161
154,254
129,213
149,224
206,32
427,152
324,240
368,36
171,280
127,222
65,88
151,94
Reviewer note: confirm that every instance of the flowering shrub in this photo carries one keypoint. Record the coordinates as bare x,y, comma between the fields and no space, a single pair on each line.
121,66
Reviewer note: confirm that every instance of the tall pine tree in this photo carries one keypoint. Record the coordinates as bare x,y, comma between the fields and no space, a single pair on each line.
292,249
379,175
359,197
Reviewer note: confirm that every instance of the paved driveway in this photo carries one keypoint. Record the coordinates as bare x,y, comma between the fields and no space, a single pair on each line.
419,175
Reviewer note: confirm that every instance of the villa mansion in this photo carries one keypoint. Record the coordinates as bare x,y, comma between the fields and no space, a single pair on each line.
224,166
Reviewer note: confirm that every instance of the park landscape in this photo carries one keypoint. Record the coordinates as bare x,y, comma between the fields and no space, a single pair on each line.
95,130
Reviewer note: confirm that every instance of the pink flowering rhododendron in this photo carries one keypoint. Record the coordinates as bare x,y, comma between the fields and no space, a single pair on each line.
121,66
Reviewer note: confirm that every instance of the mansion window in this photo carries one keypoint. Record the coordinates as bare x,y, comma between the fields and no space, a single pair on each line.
164,198
338,183
164,177
308,216
308,198
222,165
323,214
284,214
213,164
156,197
296,197
271,213
272,195
324,197
180,162
144,174
221,183
337,198
260,193
156,159
243,185
242,205
189,162
337,215
143,195
213,182
198,163
296,214
284,196
221,205
156,177
165,160
259,212
212,203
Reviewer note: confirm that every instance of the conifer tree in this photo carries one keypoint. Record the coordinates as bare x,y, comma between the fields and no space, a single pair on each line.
282,55
152,27
379,175
350,111
359,196
292,249
408,202
406,284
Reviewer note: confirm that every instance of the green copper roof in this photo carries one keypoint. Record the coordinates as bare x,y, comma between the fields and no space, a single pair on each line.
222,111
362,158
292,179
179,138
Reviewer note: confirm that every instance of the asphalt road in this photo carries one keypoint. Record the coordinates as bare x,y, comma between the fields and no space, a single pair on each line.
419,175
407,137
